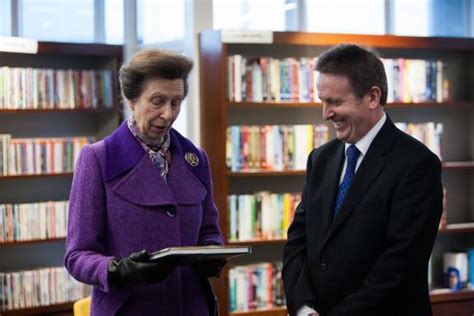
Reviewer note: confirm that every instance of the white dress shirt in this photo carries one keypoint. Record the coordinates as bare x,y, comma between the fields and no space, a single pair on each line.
363,145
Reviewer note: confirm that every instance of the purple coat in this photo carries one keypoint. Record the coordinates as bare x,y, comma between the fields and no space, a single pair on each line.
119,204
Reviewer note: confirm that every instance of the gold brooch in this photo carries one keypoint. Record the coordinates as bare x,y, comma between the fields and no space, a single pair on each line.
191,159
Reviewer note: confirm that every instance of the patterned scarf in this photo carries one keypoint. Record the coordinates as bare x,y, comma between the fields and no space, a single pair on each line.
157,152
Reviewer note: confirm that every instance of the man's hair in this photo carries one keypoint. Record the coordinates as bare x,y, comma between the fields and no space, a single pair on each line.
361,65
151,64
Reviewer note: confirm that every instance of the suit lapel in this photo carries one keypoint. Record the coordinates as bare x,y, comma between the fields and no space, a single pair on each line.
370,168
365,176
330,185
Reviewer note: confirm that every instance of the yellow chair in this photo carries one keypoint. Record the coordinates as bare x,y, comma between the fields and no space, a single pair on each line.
82,307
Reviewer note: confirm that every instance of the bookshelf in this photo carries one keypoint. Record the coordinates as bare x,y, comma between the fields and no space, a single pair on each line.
93,110
456,113
56,309
269,312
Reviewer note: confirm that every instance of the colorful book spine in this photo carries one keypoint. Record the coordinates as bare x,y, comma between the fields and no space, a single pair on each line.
256,287
272,147
33,88
260,216
417,80
41,287
28,156
33,221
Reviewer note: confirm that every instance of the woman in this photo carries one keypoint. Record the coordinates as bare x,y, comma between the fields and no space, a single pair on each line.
143,188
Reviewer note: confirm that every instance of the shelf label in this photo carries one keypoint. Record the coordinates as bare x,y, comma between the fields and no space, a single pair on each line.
257,37
18,45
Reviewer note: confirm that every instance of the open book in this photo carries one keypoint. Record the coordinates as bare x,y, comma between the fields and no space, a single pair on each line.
187,255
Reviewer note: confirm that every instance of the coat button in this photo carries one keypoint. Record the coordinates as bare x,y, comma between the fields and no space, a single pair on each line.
324,266
171,212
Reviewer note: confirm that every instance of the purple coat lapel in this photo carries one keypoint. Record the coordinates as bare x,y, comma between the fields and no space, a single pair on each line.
122,153
142,184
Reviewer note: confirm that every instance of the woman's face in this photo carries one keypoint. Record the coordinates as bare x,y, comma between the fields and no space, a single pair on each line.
156,109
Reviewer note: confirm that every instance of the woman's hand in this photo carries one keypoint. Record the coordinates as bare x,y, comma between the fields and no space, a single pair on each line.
136,269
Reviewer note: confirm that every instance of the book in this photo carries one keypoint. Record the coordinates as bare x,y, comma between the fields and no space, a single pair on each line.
188,255
455,266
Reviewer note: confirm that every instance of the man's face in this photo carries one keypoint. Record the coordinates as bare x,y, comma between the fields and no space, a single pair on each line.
349,113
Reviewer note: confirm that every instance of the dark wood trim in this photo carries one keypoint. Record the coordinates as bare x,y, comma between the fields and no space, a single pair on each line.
246,105
455,105
381,41
213,119
40,310
259,173
453,229
450,296
33,241
458,165
99,50
76,49
256,242
92,111
42,175
276,311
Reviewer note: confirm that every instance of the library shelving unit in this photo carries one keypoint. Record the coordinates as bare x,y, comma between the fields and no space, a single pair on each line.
86,116
456,115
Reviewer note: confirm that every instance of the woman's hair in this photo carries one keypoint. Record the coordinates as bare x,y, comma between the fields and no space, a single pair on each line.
151,64
361,64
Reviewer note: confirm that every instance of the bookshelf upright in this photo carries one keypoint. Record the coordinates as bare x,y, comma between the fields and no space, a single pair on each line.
455,111
51,104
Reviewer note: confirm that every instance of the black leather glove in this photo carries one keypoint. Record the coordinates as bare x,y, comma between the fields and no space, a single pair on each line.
210,268
136,269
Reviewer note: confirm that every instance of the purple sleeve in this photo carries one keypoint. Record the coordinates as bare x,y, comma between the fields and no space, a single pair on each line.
84,257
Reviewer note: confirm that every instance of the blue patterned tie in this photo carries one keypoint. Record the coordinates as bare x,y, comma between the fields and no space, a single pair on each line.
352,155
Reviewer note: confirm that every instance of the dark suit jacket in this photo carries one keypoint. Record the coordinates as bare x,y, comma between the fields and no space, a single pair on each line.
372,260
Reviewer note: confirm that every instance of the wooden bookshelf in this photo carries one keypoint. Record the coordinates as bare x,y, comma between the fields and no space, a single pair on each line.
47,111
283,104
458,165
218,113
276,311
255,242
452,165
461,105
267,173
29,242
88,118
378,41
447,302
40,175
317,105
446,295
458,228
56,309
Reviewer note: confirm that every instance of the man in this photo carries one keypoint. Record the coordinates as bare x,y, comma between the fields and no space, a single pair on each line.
362,235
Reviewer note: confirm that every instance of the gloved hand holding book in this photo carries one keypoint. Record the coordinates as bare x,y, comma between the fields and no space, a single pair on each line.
137,269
